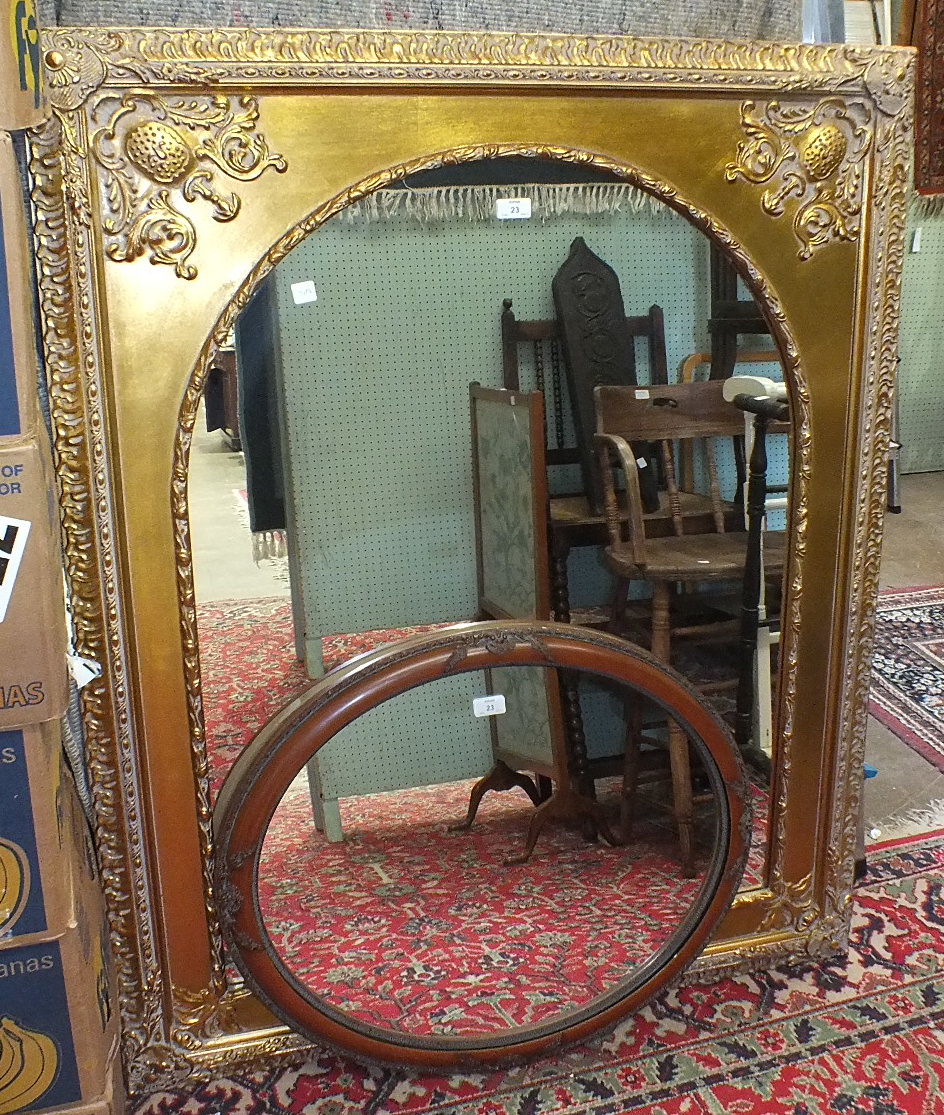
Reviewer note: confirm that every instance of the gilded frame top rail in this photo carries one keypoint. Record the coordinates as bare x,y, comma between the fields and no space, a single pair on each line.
234,56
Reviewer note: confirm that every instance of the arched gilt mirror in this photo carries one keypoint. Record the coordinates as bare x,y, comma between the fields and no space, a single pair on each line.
324,234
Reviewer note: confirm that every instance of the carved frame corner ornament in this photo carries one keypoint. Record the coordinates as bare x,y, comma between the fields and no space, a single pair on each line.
154,131
810,159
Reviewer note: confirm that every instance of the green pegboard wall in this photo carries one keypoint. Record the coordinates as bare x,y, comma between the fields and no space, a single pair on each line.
423,737
921,371
376,376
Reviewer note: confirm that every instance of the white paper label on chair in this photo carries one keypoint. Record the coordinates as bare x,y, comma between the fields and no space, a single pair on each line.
492,705
513,208
642,394
304,292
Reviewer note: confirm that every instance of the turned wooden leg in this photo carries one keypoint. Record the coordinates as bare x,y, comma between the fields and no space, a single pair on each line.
501,777
678,743
560,590
577,758
660,636
631,760
680,762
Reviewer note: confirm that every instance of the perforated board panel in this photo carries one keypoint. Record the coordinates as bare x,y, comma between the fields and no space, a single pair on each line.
921,372
420,738
376,374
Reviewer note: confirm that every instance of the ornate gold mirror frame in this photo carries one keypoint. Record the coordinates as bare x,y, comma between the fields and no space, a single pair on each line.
180,167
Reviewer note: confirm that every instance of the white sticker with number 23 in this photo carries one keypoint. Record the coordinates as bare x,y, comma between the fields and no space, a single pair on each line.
492,705
513,208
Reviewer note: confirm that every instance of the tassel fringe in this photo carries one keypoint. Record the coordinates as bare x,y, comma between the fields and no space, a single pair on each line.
927,205
477,203
268,544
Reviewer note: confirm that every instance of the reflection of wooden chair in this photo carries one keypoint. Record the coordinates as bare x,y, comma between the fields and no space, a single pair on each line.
731,316
692,415
532,360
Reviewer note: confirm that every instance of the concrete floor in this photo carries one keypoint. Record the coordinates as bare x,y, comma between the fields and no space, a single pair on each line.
912,556
221,545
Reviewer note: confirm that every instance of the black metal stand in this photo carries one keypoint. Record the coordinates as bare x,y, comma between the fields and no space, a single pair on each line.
765,411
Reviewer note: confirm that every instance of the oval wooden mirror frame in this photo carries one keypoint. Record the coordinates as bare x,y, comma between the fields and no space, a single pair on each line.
292,127
266,768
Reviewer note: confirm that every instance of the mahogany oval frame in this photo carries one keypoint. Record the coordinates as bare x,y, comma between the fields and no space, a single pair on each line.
265,769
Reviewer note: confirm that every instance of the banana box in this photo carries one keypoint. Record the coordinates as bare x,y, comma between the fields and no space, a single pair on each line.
45,854
58,1023
112,1101
33,678
19,403
21,77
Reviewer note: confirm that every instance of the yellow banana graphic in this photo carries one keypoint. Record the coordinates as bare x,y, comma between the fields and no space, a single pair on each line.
28,1064
14,883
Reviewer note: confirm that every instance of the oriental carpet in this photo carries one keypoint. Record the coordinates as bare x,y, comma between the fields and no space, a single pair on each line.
860,1035
907,689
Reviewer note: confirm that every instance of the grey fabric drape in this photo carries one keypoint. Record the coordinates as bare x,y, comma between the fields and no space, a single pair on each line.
738,19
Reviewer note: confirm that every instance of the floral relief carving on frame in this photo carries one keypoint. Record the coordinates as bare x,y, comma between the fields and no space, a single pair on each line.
810,159
157,153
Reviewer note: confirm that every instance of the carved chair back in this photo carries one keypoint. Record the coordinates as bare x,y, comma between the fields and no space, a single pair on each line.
532,360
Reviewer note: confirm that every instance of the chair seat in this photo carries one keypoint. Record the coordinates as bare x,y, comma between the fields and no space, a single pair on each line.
696,557
574,512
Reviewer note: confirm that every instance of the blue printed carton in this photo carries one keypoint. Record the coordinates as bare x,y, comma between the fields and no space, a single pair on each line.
46,856
58,1029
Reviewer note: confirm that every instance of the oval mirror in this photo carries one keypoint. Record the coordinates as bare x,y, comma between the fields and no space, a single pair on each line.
453,925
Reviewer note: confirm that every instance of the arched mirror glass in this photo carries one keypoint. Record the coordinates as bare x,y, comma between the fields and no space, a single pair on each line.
345,491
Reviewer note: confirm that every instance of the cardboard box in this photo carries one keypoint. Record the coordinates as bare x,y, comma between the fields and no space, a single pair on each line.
58,1015
46,859
112,1101
33,663
21,76
19,404
58,1020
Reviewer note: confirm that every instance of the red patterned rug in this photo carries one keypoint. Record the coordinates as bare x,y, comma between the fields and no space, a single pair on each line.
907,692
413,926
860,1035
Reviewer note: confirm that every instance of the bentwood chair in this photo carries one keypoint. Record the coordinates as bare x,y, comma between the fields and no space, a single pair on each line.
682,565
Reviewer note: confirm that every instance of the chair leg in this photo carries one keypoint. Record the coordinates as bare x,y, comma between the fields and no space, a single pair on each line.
618,607
631,760
679,758
680,762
